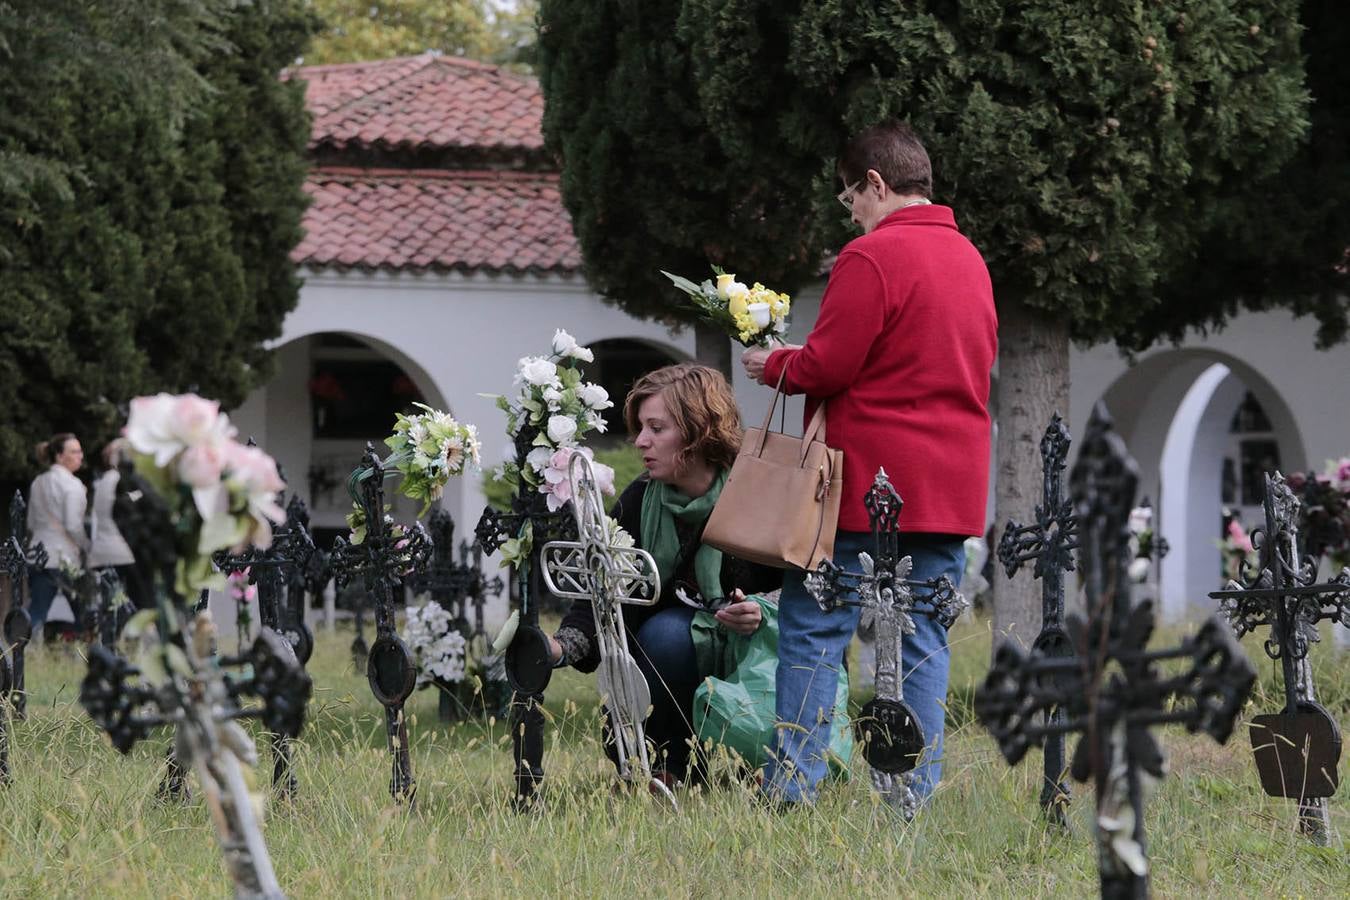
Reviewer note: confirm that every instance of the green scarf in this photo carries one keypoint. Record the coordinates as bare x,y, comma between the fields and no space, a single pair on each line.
662,506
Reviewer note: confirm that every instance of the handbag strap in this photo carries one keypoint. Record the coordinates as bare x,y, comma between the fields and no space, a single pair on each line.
757,447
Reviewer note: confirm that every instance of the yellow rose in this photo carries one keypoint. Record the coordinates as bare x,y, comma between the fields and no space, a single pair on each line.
723,283
738,298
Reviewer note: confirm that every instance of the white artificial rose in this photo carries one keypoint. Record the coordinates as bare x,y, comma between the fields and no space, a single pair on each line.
553,397
760,314
1139,569
594,396
538,371
563,343
561,429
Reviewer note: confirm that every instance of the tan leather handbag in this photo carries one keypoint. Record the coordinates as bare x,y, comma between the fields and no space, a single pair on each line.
780,504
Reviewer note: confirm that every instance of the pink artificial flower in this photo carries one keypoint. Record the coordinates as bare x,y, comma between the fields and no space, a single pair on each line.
200,466
1239,537
556,484
196,420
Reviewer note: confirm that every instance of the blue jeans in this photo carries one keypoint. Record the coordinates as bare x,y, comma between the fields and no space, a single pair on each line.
41,593
811,648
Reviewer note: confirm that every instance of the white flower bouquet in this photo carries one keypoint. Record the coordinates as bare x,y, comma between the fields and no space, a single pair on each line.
554,409
440,650
221,494
429,448
751,314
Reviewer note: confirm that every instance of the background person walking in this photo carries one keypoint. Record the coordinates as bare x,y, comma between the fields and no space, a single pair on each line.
57,501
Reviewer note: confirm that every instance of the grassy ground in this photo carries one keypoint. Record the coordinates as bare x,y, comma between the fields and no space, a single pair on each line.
80,820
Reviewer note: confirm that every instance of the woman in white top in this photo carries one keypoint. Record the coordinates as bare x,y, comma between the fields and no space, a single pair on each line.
108,549
56,504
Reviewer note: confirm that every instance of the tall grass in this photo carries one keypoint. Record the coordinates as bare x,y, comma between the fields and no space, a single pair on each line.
80,819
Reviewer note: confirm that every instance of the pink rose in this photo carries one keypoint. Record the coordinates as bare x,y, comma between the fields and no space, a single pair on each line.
201,465
1239,537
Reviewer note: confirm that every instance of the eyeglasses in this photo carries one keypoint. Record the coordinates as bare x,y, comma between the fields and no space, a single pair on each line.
845,196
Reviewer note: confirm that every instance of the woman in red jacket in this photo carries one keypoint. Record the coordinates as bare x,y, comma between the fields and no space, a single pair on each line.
902,350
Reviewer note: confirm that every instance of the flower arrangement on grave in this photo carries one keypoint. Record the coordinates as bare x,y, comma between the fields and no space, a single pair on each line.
554,408
1325,510
243,594
428,449
438,647
1141,543
1236,549
220,494
751,314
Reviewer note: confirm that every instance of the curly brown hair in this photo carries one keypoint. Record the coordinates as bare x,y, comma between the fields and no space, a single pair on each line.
701,406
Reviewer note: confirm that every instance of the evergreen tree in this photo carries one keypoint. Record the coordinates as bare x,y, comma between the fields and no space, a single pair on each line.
1088,150
647,182
356,30
145,246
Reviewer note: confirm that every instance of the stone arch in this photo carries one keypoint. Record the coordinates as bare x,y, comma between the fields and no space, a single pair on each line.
1168,408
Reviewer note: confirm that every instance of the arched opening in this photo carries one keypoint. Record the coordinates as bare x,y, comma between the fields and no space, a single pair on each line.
332,393
619,362
1177,411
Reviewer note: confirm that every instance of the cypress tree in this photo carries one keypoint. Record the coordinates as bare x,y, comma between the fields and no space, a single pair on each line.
151,198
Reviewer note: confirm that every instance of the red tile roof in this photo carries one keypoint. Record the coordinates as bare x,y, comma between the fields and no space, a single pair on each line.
431,163
422,102
419,220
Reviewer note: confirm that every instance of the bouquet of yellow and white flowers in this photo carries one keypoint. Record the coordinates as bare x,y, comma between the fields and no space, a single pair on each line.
750,314
429,448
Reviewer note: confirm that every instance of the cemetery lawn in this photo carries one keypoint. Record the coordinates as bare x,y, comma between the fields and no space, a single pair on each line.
81,820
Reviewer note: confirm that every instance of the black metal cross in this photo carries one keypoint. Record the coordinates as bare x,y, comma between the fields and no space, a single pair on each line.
1049,542
452,583
528,660
181,682
1297,749
890,731
386,556
17,556
270,570
1113,691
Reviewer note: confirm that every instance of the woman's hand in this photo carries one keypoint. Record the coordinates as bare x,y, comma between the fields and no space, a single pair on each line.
741,615
555,651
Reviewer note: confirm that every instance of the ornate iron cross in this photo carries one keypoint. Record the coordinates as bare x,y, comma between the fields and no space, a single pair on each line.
270,570
17,556
386,556
193,691
891,733
1113,691
1297,749
452,582
609,574
528,661
1049,542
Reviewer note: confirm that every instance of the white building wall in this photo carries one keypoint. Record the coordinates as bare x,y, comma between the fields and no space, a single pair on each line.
459,336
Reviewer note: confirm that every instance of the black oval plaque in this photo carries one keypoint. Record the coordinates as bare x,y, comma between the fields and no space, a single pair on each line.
390,671
18,626
528,663
891,735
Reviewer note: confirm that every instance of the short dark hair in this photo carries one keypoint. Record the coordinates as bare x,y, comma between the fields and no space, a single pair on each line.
895,151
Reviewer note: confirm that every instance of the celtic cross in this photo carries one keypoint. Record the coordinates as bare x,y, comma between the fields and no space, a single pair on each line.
270,570
1049,542
185,685
1113,691
528,663
892,735
1297,749
609,574
382,559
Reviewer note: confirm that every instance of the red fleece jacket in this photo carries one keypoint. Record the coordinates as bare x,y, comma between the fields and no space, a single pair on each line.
902,349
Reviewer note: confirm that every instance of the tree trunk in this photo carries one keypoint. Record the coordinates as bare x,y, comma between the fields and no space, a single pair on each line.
1033,385
712,347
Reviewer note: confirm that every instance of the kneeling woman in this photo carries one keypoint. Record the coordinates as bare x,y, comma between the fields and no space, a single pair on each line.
688,431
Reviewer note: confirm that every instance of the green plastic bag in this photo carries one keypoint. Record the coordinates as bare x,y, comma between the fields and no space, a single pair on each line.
734,706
